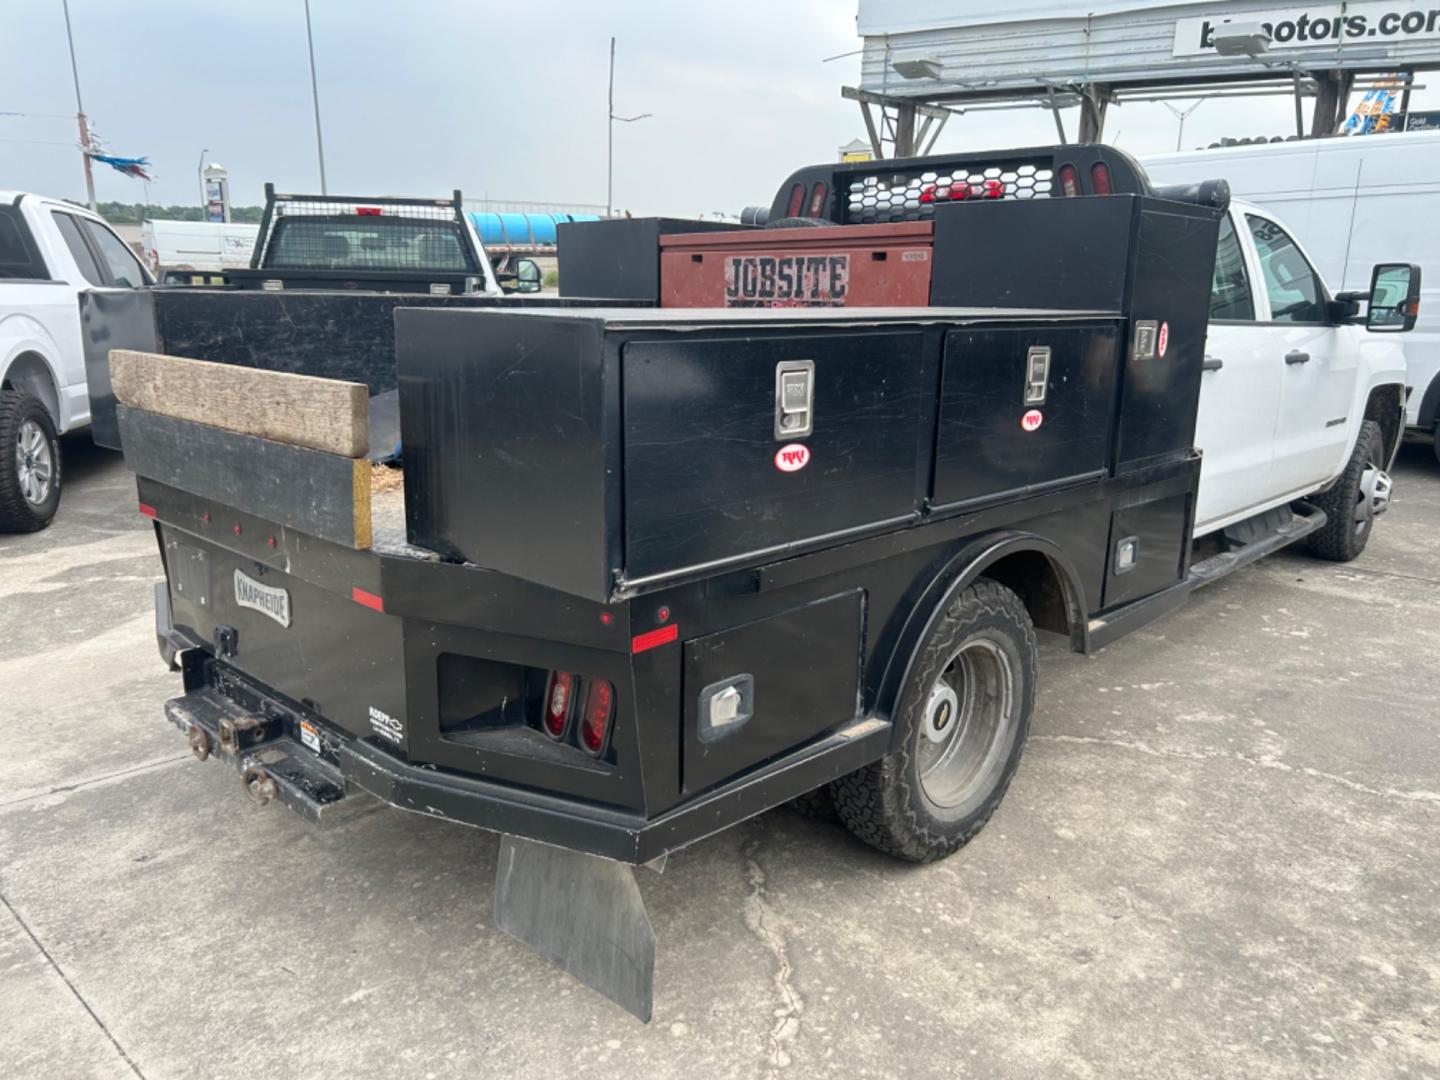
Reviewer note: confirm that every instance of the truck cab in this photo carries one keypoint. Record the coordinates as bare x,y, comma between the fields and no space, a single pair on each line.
1290,376
50,250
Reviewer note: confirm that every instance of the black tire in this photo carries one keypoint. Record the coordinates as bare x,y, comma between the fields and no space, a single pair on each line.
815,805
887,804
1349,517
800,223
21,412
1437,441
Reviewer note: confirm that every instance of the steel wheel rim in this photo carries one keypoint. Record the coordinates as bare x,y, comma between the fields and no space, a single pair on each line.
956,753
1373,497
34,462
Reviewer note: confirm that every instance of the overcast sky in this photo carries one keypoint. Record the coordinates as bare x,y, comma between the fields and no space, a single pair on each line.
505,100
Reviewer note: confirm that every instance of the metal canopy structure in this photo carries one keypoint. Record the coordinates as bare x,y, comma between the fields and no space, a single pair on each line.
926,60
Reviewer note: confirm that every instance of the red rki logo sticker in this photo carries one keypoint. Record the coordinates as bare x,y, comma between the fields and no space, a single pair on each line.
1032,420
792,458
1163,339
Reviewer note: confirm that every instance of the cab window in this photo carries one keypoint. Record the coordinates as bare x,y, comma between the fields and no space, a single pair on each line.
1290,281
1230,288
70,232
124,266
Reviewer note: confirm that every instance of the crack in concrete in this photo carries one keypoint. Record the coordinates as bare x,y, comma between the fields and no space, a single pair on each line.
760,920
61,789
1140,747
66,980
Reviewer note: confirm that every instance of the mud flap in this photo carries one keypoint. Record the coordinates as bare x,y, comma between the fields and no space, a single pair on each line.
582,912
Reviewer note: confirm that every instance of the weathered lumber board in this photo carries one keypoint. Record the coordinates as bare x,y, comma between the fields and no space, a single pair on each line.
302,410
323,495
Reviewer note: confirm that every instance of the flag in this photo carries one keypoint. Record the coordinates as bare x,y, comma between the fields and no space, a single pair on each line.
131,166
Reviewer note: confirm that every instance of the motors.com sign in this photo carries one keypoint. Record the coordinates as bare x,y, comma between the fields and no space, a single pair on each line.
1321,26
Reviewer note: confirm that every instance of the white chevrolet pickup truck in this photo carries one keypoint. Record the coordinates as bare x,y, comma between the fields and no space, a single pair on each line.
1302,398
49,251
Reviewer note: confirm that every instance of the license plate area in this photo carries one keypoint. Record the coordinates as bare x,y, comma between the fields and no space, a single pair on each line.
189,572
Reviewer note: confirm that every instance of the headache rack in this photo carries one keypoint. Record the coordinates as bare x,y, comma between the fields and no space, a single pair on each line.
422,247
909,189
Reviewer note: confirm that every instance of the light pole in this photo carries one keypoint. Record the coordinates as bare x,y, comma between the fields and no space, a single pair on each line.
315,97
80,112
1181,114
610,136
200,179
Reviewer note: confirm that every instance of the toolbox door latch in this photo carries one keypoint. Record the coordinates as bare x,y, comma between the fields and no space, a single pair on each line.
1037,374
794,398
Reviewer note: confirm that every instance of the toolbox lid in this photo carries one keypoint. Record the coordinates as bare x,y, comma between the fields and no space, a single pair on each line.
848,236
694,318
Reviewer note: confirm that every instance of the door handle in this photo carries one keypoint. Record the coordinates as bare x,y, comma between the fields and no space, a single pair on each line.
1297,357
1211,363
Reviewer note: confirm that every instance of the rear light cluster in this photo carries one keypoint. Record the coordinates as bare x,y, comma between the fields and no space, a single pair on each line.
1099,180
960,190
582,709
797,206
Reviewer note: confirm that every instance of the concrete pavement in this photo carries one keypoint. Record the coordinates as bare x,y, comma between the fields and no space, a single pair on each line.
1218,859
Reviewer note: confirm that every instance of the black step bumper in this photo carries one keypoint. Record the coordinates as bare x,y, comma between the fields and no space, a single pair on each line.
275,765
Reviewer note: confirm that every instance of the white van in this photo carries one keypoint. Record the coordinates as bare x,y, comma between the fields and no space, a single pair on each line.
211,246
1352,202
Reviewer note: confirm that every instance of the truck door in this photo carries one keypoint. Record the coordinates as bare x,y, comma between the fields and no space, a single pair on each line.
1239,393
1318,362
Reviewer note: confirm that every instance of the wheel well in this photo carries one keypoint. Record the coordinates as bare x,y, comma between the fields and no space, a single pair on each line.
30,373
1042,588
1384,407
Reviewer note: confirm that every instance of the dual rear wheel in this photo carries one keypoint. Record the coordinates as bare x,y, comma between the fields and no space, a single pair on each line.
964,715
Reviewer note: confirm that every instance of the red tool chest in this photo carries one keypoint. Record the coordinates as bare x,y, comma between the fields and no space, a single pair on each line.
844,266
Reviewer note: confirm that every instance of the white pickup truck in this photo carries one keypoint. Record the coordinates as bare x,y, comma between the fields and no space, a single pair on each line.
49,251
1300,399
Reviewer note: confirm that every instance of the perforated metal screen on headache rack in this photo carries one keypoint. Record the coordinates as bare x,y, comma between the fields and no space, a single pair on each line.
885,195
318,234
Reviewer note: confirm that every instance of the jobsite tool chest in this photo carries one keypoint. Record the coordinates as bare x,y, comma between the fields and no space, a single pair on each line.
847,266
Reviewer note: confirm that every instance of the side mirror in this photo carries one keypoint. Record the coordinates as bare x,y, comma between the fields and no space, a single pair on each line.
527,276
1394,298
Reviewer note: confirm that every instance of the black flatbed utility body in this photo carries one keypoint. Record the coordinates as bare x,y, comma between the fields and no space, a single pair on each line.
612,491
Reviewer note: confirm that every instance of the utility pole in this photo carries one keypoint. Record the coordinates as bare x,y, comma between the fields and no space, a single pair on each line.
610,136
315,97
80,113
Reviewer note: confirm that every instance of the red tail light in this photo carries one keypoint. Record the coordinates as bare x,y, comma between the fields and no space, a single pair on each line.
1069,181
994,189
368,211
559,691
595,723
953,192
817,198
797,198
1100,178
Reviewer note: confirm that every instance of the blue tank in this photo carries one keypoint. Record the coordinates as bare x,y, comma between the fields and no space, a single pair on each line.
521,230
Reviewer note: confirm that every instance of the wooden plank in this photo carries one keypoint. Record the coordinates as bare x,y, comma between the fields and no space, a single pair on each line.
312,492
302,410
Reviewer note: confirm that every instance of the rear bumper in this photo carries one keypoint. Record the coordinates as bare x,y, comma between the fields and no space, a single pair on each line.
264,745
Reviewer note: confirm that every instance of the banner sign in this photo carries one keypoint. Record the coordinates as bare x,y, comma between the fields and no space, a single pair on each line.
1314,27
